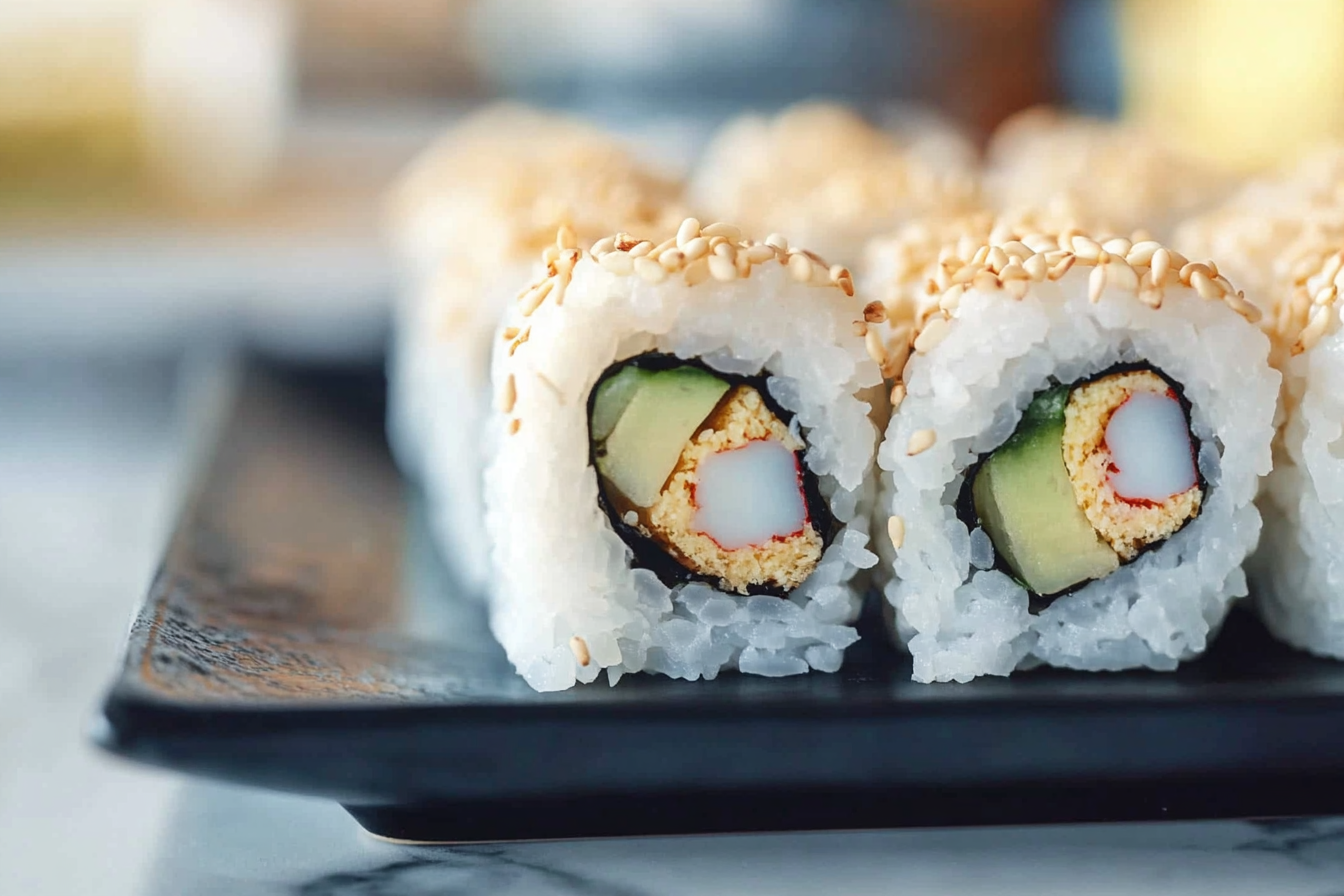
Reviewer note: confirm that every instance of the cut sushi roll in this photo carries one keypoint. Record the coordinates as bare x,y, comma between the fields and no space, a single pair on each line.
471,219
1071,473
826,177
681,472
1297,572
1107,176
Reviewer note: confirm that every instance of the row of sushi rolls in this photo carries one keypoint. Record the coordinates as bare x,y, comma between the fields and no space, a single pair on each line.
1058,404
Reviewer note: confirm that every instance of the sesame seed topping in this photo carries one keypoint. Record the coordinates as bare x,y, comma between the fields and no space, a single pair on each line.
800,267
579,648
514,425
697,272
719,228
650,270
617,262
933,333
874,312
689,230
921,440
778,242
566,238
896,531
695,248
509,396
876,349
1096,283
722,268
897,395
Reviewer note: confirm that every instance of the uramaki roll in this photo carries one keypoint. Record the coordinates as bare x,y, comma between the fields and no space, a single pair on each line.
1070,476
680,476
1299,570
1107,176
829,179
471,219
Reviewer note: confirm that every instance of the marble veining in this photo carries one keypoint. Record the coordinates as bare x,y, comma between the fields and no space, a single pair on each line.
223,840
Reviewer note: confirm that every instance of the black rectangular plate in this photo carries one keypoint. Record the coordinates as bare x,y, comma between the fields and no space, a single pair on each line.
302,635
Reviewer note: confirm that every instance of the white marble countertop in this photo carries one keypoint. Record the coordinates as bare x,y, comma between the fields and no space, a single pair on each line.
89,466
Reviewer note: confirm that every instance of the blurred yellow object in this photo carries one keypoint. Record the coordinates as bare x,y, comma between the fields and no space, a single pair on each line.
99,98
1246,82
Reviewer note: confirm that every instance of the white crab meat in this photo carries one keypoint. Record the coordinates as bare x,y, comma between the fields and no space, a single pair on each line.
749,495
1149,442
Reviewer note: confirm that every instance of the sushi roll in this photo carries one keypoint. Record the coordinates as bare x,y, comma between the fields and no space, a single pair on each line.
828,178
1274,231
470,220
1069,476
1107,176
680,475
1298,572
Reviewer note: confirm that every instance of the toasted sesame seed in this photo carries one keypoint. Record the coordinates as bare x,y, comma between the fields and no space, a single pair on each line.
695,248
921,440
1062,268
719,228
1178,260
759,253
1014,271
934,332
1205,286
1332,267
1161,264
1085,248
951,298
1237,302
579,647
604,245
565,238
650,270
876,350
874,312
1141,254
522,337
697,272
689,230
800,267
671,259
1189,268
965,275
665,245
1018,249
1117,246
617,262
980,256
1121,275
510,333
997,259
777,241
896,531
1314,330
1151,296
640,249
846,286
898,352
722,268
1325,295
514,425
508,396
1096,283
1018,289
1036,267
985,281
721,247
897,395
859,328
532,301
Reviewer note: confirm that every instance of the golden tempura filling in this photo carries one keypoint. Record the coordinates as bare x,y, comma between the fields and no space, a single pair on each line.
1127,524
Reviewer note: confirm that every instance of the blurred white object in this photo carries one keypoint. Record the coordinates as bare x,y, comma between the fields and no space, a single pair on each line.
215,88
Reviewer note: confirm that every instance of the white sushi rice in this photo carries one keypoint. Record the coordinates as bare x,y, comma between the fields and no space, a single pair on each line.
565,588
1299,571
959,617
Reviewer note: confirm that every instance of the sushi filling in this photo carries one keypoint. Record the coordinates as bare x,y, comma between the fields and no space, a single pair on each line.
1094,474
703,477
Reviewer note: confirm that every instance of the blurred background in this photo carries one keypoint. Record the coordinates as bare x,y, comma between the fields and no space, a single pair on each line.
179,176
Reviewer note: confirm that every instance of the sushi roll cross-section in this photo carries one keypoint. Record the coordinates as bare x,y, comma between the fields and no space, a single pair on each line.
702,477
681,460
1070,471
1094,473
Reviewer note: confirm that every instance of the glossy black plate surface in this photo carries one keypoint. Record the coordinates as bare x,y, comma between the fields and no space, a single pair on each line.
302,635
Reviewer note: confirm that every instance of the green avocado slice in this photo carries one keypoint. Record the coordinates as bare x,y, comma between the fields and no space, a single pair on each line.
1026,504
641,421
